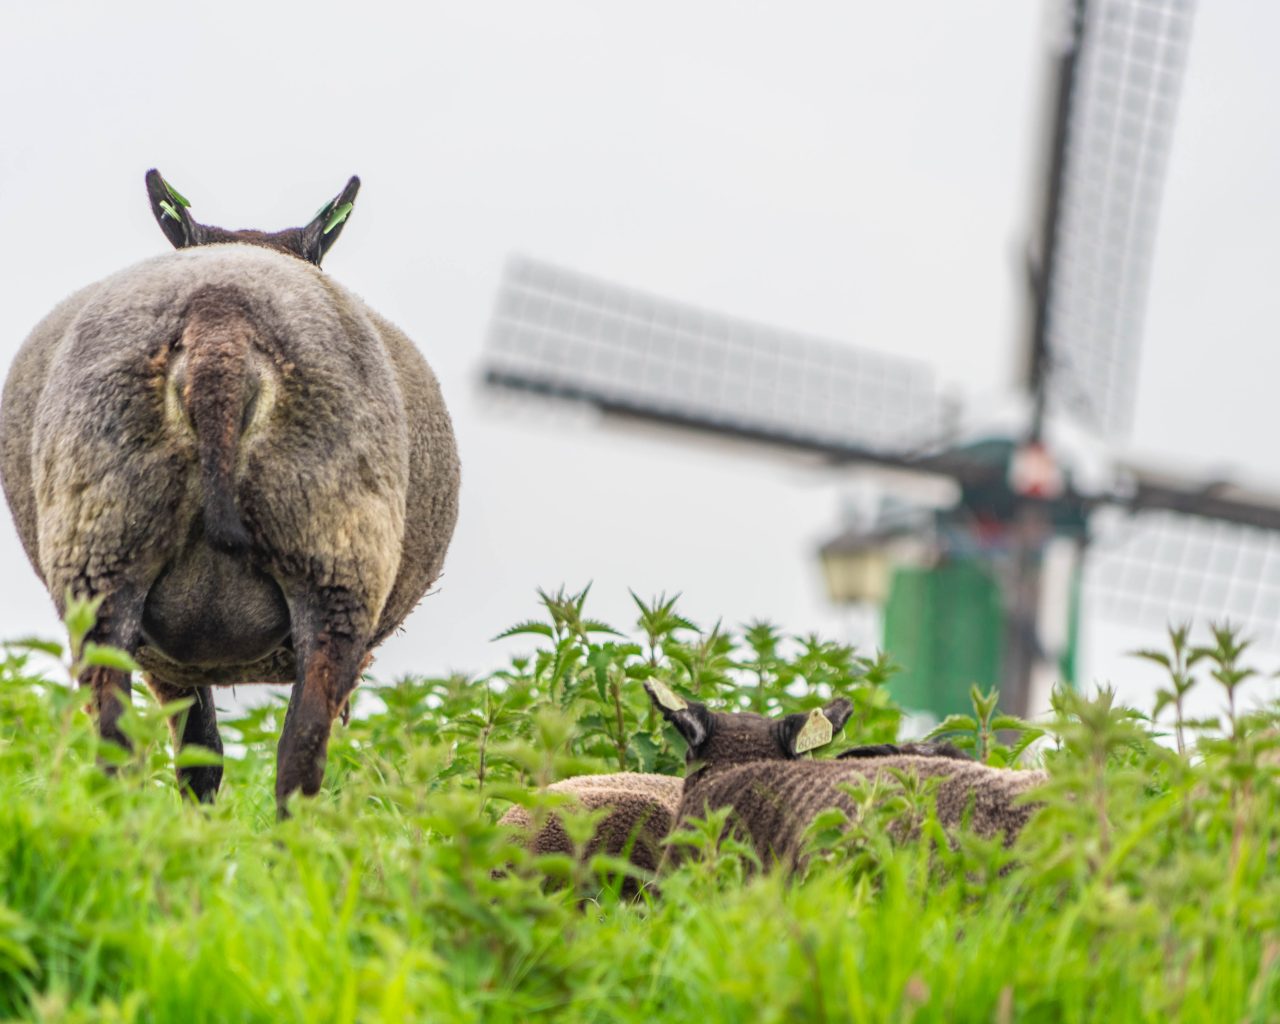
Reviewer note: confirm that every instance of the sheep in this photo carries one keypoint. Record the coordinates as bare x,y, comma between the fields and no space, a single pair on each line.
748,762
642,808
253,471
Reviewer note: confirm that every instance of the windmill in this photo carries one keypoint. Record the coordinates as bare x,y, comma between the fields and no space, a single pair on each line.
642,359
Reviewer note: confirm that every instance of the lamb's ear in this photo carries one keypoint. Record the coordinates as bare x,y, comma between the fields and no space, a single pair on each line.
170,209
326,226
692,719
806,731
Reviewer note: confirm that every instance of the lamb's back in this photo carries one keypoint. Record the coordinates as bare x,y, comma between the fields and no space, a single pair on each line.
641,811
774,802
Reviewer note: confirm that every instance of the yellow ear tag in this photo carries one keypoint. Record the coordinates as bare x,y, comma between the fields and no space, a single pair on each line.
816,732
668,697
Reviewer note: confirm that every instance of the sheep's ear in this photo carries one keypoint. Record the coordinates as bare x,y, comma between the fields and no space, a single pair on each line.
838,712
170,208
806,731
692,719
326,226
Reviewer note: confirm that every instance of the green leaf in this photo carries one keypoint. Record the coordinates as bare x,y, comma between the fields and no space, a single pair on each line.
954,723
196,756
176,707
984,705
646,750
1025,740
596,626
337,217
36,644
599,660
531,626
680,654
1158,657
15,932
108,657
80,617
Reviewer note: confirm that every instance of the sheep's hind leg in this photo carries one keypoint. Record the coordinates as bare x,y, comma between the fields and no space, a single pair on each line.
330,650
197,725
111,690
119,624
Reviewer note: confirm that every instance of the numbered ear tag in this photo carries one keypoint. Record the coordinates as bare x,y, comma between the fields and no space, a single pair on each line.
671,700
816,732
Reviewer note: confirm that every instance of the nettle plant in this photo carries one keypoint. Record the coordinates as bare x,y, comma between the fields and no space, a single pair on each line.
991,736
594,674
1130,816
576,704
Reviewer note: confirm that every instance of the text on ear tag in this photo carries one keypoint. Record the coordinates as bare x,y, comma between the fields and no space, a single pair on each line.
668,697
816,732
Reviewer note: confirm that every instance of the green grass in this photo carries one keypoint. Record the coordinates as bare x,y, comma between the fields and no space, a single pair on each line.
1147,889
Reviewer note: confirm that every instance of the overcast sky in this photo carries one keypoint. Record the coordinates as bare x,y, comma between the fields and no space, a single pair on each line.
860,171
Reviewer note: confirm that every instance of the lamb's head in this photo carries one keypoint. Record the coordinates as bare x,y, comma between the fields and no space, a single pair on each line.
721,739
310,243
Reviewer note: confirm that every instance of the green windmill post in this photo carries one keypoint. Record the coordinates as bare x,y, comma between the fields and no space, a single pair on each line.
946,587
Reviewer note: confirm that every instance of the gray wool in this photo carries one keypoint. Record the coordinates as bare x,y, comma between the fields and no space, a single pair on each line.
641,812
774,802
346,473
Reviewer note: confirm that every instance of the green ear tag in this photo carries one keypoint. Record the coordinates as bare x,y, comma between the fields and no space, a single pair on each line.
168,209
817,732
672,701
337,217
177,196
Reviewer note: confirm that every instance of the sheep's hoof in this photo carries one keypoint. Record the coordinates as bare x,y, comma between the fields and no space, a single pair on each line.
300,761
200,784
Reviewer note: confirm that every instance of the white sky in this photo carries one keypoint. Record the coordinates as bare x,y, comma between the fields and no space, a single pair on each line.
860,171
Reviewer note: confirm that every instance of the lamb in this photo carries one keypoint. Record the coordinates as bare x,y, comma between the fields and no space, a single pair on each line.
254,472
748,762
642,809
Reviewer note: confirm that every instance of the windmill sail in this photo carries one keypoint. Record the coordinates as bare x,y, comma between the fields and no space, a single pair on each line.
1119,121
1163,567
572,336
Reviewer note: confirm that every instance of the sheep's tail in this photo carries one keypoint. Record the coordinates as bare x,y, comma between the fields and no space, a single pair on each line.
218,394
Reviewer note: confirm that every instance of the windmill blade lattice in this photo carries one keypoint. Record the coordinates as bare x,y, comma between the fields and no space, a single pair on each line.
1123,103
1161,567
571,336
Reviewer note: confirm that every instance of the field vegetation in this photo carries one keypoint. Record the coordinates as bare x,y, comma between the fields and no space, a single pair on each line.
1146,889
